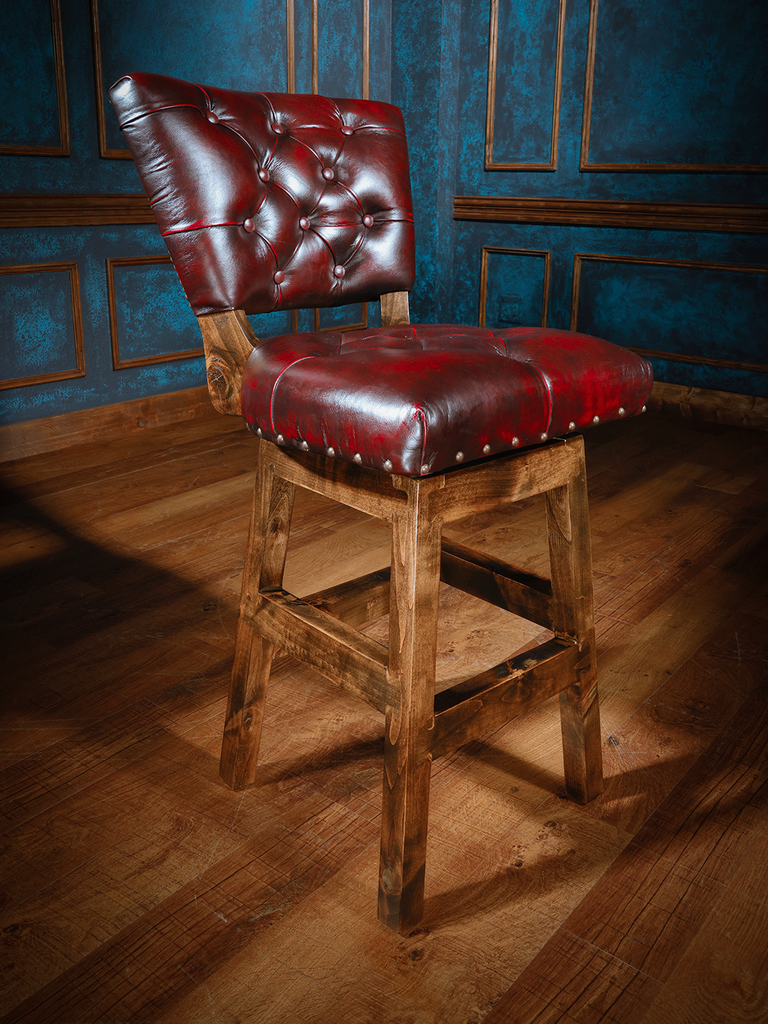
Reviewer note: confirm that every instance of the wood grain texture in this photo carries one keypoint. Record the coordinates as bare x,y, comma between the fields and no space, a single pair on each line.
137,887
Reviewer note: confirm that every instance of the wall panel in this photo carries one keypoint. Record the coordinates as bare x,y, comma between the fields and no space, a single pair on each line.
41,324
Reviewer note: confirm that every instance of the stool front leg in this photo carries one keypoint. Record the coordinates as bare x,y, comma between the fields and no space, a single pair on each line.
570,552
264,566
407,752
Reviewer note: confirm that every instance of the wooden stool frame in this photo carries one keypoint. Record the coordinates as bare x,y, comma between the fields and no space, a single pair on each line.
399,680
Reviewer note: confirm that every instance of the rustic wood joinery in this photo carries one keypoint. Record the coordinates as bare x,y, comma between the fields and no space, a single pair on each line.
398,679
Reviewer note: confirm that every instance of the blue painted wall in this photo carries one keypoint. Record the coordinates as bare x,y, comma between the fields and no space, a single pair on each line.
679,85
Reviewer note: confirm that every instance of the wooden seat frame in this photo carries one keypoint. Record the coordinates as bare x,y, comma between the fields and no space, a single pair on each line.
399,679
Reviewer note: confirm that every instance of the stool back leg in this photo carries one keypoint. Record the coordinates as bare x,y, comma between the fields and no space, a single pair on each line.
570,553
414,596
264,566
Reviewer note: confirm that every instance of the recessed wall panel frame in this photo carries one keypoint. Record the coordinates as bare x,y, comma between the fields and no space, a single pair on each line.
544,254
77,325
616,167
677,357
118,363
63,149
493,46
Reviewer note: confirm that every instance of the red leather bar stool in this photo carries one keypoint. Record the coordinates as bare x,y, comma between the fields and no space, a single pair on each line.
274,202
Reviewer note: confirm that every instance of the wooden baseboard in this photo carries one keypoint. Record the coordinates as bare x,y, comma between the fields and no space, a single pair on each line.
50,433
704,404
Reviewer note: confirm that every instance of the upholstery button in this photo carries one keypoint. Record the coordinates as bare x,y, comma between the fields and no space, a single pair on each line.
328,173
277,128
338,271
279,277
213,118
264,174
248,224
304,223
346,130
368,220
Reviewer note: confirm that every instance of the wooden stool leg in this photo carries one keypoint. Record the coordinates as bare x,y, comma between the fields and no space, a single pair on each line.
264,565
407,756
570,553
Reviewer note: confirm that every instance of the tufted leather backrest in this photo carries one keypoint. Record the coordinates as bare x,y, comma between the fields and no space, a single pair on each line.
272,201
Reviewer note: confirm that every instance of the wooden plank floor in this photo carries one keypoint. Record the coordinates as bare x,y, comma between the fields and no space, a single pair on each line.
134,887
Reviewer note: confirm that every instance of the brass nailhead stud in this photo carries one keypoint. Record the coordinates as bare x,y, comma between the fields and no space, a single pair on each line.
459,456
571,425
622,410
280,439
515,442
486,449
358,458
595,419
643,409
304,446
330,451
543,437
258,431
425,468
388,465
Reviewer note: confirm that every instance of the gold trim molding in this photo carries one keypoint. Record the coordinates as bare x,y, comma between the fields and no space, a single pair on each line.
77,324
63,149
727,217
674,357
586,125
493,45
118,363
546,254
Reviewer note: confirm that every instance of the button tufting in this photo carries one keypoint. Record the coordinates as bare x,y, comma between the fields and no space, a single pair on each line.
368,220
304,223
213,118
279,277
346,130
277,128
338,271
264,174
328,173
248,224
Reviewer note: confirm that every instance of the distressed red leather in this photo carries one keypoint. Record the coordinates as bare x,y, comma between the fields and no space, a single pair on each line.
418,399
270,201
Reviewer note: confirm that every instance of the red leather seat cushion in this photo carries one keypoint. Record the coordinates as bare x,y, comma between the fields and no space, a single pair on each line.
421,398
